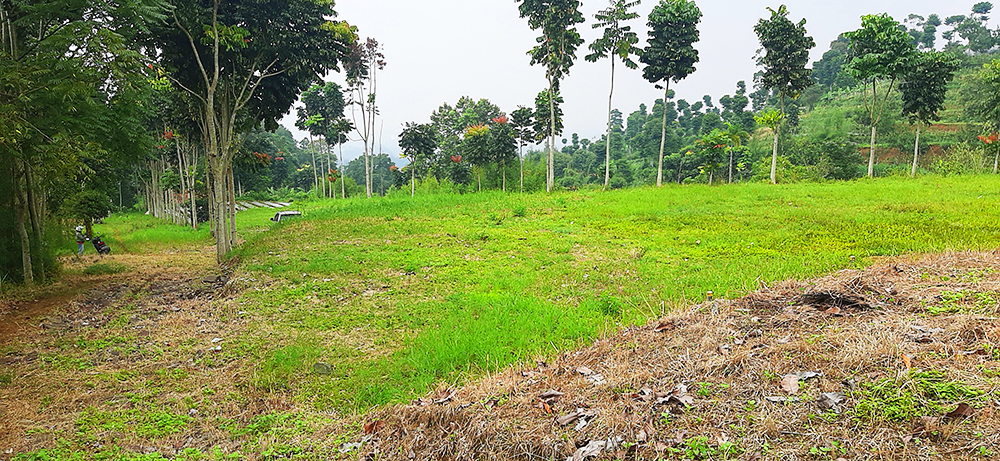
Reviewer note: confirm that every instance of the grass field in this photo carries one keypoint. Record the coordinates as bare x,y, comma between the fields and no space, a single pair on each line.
400,293
362,302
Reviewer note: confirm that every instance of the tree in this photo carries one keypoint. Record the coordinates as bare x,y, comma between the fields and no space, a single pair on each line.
783,54
734,135
548,118
71,82
986,102
501,143
322,115
618,41
712,147
923,90
246,64
670,54
475,146
418,143
88,206
363,64
450,123
522,120
556,50
879,51
973,29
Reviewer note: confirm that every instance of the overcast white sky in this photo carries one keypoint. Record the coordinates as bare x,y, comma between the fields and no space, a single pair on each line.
440,50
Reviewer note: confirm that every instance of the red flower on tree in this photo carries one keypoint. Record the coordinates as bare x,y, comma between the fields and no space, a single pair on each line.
989,139
168,135
456,158
393,168
500,119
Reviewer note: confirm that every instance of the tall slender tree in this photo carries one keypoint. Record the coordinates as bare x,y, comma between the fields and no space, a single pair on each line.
670,53
923,90
784,54
619,42
522,120
556,50
363,65
880,51
418,143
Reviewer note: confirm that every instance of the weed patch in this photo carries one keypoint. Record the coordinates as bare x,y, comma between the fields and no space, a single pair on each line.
147,421
918,393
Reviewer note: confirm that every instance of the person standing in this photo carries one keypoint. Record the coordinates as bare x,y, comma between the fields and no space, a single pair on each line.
80,240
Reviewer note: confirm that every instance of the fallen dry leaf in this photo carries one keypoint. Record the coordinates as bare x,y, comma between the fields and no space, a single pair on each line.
664,326
790,384
550,395
963,411
584,371
592,449
373,427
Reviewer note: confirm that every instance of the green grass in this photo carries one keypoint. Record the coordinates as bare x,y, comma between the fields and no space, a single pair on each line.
399,293
138,233
105,269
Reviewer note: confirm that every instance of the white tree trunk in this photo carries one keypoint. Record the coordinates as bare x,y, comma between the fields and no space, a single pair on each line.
774,154
916,152
871,155
663,134
607,148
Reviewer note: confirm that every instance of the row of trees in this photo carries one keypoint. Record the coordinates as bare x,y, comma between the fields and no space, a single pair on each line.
174,99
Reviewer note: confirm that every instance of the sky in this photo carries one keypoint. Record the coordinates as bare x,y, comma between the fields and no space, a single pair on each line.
437,51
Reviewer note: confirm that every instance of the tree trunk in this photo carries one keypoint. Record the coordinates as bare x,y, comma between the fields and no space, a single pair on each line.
413,181
315,167
663,135
550,179
504,175
607,148
343,187
774,154
19,211
871,155
916,152
520,156
232,211
730,166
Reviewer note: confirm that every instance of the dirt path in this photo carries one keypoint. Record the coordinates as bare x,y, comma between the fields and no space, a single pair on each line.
19,318
58,349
